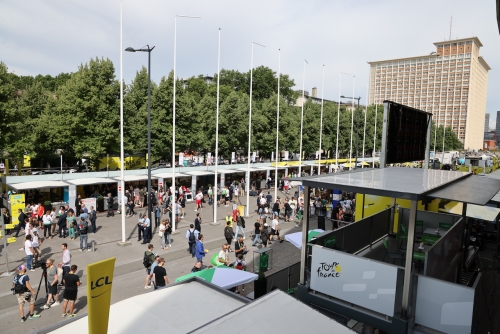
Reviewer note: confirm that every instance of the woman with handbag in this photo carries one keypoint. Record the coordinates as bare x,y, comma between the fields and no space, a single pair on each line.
167,242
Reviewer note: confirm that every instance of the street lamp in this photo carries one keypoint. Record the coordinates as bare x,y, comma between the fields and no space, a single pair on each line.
338,120
302,117
321,121
148,50
173,119
277,129
250,129
357,124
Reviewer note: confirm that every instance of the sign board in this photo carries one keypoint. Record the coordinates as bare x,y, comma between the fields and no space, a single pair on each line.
357,280
11,240
99,285
119,188
10,226
2,165
16,203
330,241
89,202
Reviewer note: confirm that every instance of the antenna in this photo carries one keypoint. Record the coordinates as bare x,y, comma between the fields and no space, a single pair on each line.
451,24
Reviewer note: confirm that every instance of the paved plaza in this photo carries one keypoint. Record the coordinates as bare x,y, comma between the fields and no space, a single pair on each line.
129,277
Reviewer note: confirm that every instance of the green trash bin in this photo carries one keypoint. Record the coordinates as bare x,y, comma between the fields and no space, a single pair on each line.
185,163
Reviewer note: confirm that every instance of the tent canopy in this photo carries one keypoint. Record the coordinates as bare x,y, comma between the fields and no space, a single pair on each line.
296,238
38,185
283,313
91,180
222,276
487,213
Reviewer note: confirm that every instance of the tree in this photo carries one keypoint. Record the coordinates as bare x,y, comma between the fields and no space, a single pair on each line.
7,110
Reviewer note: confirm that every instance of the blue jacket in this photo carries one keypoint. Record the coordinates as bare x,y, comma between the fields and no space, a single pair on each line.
200,249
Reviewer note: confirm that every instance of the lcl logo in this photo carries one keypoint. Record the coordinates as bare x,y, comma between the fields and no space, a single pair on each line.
98,283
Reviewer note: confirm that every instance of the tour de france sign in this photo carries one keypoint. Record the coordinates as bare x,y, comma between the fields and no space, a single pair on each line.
364,282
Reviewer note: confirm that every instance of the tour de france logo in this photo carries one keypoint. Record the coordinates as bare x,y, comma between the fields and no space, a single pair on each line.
329,270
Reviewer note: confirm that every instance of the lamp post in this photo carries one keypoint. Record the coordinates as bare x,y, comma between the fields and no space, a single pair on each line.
173,118
148,50
321,121
357,125
302,117
214,189
250,129
338,120
277,129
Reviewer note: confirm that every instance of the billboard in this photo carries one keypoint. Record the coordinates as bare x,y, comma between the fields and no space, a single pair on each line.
354,279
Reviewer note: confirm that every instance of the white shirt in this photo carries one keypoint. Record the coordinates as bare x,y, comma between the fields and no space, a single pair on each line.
199,196
235,192
34,209
263,201
223,255
27,246
34,237
274,223
47,219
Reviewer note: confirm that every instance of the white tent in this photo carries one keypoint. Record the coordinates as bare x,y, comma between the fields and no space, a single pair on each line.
280,312
296,238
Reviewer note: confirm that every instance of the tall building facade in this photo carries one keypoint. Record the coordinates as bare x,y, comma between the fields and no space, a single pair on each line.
450,83
487,122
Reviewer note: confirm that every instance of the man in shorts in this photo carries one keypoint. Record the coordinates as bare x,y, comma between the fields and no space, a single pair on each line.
52,280
71,284
275,229
27,295
198,198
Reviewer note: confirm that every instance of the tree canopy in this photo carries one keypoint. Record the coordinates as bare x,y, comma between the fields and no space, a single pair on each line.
77,114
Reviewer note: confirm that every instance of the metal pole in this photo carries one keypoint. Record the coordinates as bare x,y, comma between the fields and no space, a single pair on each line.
214,190
305,229
61,168
338,121
7,273
383,157
302,117
357,134
375,134
409,258
321,121
173,131
277,129
149,137
364,128
250,130
352,121
122,155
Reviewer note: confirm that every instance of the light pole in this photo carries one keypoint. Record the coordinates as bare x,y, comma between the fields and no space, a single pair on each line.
148,50
364,127
277,129
250,129
302,117
173,119
214,189
357,125
321,121
338,121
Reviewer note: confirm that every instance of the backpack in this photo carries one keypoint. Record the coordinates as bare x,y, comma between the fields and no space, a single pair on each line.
18,284
147,261
83,228
242,222
227,233
191,238
239,265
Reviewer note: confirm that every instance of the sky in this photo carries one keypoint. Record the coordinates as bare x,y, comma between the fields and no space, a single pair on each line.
54,36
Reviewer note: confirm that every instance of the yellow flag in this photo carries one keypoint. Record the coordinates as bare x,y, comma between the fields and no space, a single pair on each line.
99,286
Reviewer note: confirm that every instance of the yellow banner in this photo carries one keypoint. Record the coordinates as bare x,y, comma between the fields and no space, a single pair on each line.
10,226
99,286
11,240
27,161
16,202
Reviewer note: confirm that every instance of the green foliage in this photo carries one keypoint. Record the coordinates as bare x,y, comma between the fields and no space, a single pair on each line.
78,113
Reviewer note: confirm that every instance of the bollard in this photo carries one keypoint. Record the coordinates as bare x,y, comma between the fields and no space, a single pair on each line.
93,245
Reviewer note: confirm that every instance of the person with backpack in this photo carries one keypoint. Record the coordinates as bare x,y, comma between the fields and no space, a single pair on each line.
192,236
83,228
21,287
240,264
200,249
148,259
229,234
110,206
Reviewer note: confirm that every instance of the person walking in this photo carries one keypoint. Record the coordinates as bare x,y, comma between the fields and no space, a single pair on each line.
52,280
83,229
275,230
264,235
192,236
197,222
157,212
21,222
30,252
93,218
71,284
162,234
198,198
149,258
240,225
257,238
111,213
200,249
140,227
210,196
70,225
24,293
228,234
66,260
35,243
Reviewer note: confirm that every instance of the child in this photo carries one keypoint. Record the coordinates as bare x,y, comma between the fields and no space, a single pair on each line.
240,264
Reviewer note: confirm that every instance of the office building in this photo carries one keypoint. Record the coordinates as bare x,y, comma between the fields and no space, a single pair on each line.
497,128
451,83
487,122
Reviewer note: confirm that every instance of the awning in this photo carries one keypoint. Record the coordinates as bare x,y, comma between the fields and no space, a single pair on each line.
487,213
91,180
296,238
200,172
252,169
473,189
38,185
130,178
169,175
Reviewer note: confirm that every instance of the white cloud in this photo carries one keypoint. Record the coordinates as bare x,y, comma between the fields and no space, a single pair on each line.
50,37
